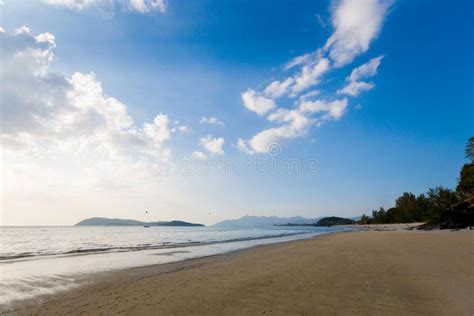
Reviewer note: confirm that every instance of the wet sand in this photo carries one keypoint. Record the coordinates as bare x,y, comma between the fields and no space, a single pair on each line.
365,273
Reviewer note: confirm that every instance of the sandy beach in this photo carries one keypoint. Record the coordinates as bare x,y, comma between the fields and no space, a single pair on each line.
365,273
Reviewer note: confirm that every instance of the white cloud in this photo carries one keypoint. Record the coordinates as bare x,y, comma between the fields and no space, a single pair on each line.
256,102
46,38
159,130
183,129
199,155
356,24
141,6
277,88
64,141
29,93
76,4
299,60
310,75
243,146
367,70
295,125
309,94
43,110
313,68
211,120
332,109
354,88
262,141
212,145
145,6
294,117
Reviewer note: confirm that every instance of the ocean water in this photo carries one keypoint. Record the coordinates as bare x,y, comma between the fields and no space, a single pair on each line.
44,260
32,242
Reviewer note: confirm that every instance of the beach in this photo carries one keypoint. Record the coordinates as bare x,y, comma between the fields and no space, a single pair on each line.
365,273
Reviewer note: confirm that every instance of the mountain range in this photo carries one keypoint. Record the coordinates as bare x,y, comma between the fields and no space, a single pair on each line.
249,221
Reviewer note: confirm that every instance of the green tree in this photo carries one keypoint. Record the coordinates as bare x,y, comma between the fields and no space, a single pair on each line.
406,209
379,217
470,149
364,220
440,200
423,208
392,216
427,207
465,187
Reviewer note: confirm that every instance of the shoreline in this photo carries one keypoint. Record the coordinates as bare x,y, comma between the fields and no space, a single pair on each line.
427,270
167,246
28,279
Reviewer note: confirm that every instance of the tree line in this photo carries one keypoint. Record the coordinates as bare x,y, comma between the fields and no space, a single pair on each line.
428,206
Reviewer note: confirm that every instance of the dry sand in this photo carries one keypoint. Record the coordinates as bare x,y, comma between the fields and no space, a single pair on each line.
345,274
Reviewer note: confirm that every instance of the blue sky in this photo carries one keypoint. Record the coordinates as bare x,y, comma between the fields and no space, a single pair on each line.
194,59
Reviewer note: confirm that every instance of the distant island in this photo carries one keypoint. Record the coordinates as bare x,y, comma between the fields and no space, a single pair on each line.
294,224
252,221
325,221
333,220
103,221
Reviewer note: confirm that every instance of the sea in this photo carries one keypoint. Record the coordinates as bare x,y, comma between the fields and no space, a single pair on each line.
35,261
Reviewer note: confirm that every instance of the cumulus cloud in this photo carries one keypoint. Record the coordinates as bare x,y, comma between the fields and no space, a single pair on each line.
61,133
309,94
332,109
211,120
295,124
44,110
256,102
141,6
277,88
243,146
212,145
367,70
198,155
313,67
159,130
310,75
356,24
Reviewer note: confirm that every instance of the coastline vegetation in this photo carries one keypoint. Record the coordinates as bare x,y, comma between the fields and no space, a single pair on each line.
436,204
333,220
